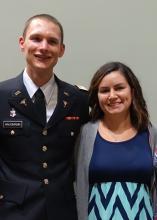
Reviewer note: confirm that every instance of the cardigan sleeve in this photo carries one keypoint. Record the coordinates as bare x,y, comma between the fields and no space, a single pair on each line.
153,145
84,150
81,187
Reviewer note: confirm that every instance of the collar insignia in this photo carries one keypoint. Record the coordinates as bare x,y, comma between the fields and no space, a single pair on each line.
65,104
23,102
17,92
66,93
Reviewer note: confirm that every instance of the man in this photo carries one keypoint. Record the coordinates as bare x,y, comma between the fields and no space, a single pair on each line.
36,150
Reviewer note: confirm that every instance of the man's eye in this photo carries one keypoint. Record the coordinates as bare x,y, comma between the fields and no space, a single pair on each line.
53,42
36,39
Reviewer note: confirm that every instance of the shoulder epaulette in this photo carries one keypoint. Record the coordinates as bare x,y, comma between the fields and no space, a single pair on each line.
81,88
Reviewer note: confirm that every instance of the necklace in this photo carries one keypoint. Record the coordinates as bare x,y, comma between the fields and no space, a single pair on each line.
117,135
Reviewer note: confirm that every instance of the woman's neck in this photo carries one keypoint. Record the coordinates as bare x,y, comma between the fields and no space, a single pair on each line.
117,123
116,129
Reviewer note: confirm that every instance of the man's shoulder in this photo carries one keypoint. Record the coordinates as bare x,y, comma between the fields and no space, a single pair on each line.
78,91
9,82
75,89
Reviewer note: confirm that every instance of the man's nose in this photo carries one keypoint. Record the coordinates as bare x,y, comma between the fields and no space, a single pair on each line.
44,44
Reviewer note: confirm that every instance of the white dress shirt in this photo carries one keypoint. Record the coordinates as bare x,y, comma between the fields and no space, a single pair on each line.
49,89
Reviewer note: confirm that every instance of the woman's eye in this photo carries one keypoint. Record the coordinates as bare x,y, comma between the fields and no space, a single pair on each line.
119,88
104,90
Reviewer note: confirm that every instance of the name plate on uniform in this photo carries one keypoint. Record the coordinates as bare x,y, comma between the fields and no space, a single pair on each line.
12,124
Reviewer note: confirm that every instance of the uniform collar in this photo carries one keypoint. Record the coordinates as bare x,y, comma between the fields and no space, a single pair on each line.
32,87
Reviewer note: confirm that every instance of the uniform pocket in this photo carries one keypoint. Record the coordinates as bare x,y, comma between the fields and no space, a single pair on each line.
68,128
12,192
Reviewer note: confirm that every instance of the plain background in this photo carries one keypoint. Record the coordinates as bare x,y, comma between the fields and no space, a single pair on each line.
96,32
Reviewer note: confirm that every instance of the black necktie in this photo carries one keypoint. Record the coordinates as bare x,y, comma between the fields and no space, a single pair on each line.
40,104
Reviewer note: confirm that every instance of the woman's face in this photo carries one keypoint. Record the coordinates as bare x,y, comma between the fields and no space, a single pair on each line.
114,94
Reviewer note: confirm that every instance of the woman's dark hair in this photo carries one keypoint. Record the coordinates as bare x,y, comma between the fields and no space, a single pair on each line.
138,109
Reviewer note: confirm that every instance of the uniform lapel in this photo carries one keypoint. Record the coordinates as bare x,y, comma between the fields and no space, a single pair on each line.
64,103
20,100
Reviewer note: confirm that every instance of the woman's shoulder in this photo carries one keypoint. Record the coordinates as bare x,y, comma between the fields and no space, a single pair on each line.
152,130
90,125
153,136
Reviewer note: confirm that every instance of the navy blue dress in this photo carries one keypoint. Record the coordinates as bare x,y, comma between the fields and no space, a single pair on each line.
119,177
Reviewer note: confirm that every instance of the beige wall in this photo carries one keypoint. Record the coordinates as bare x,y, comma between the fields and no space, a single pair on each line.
95,32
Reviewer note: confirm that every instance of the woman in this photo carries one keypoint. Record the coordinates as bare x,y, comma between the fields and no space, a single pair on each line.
115,170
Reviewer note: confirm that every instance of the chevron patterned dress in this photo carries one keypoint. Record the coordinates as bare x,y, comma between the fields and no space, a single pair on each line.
119,177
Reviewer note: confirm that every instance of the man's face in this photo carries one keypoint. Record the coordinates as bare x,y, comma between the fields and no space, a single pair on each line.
42,46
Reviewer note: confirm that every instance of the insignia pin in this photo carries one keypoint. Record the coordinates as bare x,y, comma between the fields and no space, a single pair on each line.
65,104
23,102
17,92
12,113
66,93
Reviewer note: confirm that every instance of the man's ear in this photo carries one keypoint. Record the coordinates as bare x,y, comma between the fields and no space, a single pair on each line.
62,50
21,43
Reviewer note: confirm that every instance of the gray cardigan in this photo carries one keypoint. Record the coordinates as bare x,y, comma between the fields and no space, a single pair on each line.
84,146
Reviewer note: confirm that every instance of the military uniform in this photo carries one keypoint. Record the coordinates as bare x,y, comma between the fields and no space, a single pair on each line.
36,175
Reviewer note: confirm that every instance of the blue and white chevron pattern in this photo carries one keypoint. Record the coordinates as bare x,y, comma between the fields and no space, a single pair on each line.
119,201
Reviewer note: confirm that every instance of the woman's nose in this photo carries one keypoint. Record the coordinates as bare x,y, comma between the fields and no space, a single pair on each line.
112,94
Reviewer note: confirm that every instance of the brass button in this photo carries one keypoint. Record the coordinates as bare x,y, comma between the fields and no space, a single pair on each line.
44,148
12,132
46,181
72,133
44,165
44,132
1,197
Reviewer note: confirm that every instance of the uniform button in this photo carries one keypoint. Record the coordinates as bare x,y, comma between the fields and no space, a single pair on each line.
1,197
12,132
44,148
72,133
44,165
44,132
46,181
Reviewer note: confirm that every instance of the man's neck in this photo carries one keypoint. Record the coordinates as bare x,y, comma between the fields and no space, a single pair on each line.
39,78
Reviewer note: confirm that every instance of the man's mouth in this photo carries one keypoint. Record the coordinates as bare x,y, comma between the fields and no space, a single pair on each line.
42,57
